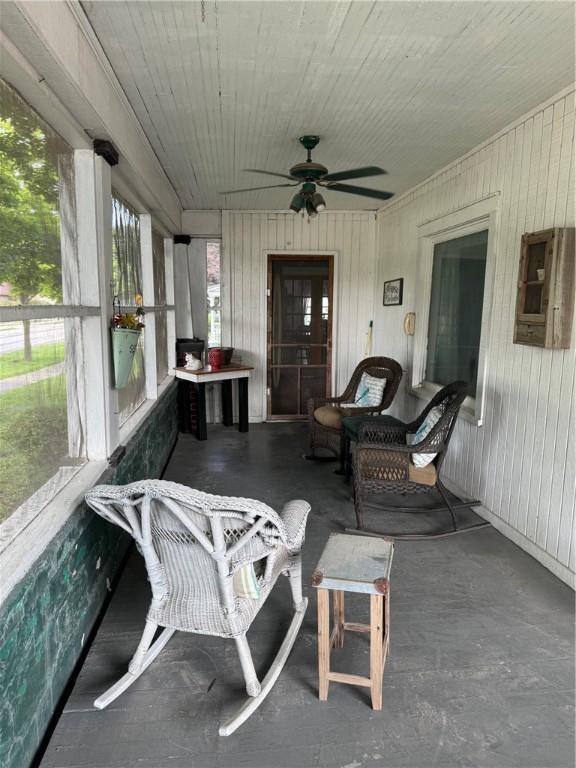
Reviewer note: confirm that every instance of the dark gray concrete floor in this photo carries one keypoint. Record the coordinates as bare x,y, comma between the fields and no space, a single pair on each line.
481,670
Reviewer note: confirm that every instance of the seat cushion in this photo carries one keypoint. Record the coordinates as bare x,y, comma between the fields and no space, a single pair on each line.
352,424
378,465
329,416
424,475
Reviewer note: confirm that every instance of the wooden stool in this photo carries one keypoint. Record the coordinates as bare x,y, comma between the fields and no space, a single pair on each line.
354,564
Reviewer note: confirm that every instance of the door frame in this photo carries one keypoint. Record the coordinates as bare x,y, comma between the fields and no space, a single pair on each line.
303,253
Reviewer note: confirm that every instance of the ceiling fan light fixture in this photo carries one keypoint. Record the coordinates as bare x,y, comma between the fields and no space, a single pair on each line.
310,209
318,202
297,203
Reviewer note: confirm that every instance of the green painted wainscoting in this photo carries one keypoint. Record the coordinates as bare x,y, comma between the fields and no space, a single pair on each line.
51,611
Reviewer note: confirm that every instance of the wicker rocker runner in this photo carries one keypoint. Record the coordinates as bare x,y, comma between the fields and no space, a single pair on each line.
211,562
325,414
407,458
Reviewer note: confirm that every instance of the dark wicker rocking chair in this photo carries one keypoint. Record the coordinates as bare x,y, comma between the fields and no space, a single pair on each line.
325,414
381,461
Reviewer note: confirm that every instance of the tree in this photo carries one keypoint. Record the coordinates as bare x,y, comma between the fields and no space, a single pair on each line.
30,259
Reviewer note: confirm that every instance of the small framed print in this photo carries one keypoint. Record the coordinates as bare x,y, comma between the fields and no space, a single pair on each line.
393,292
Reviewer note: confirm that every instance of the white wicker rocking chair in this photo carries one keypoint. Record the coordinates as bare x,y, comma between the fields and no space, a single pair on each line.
193,543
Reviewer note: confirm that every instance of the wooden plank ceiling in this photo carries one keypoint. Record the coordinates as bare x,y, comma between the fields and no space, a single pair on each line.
410,86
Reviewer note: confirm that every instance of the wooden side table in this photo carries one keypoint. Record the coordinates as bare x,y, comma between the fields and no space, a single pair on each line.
224,375
354,564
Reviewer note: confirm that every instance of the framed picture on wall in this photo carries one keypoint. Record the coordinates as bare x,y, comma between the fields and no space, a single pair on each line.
393,292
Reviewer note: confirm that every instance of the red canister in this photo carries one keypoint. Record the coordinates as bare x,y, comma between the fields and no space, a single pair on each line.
215,358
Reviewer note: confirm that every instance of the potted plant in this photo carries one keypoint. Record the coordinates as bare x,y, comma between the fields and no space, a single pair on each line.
126,328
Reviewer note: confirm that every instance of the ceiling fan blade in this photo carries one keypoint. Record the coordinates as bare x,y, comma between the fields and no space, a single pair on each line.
369,170
268,173
352,190
254,189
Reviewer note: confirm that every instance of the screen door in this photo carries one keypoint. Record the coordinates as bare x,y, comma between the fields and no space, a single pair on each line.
299,333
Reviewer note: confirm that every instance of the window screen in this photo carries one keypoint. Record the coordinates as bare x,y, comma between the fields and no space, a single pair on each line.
41,422
213,293
127,285
455,317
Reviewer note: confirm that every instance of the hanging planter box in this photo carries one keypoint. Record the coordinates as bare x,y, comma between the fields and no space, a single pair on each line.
124,344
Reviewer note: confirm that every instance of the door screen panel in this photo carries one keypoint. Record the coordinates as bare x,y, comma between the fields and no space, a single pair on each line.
284,391
299,337
312,384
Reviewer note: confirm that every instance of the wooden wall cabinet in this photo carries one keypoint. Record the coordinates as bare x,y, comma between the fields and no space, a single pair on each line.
545,300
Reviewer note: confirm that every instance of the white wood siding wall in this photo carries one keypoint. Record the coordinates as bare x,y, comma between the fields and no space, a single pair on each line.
247,237
522,462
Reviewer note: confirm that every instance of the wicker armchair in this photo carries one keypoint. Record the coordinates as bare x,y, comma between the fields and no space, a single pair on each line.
194,545
325,414
382,459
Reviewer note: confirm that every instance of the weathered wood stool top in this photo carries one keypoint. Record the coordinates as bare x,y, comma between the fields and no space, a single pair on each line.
354,564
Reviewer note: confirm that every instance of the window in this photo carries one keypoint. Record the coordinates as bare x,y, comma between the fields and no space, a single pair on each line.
453,298
41,428
455,316
127,286
213,293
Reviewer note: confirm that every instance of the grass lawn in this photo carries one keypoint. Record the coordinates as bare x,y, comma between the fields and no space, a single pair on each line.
43,355
33,438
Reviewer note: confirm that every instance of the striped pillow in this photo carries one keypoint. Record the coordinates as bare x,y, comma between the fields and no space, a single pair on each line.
245,583
370,391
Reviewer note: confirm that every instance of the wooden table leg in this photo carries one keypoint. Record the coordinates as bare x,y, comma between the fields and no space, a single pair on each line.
339,618
243,405
376,649
184,398
201,431
227,402
386,626
323,643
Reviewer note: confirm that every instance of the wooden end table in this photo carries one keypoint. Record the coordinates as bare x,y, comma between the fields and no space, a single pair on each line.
226,376
354,564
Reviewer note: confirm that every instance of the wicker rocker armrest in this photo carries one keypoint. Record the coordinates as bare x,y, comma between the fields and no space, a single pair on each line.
373,432
294,515
385,447
422,447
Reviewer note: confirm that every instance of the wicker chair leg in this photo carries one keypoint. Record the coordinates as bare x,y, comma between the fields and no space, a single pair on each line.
250,676
348,461
312,454
444,495
358,508
144,656
294,574
252,704
343,451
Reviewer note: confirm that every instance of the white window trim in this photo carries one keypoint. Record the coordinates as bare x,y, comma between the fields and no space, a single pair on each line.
147,262
23,541
475,217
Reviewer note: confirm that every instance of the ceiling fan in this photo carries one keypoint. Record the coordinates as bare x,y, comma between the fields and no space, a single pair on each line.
311,175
